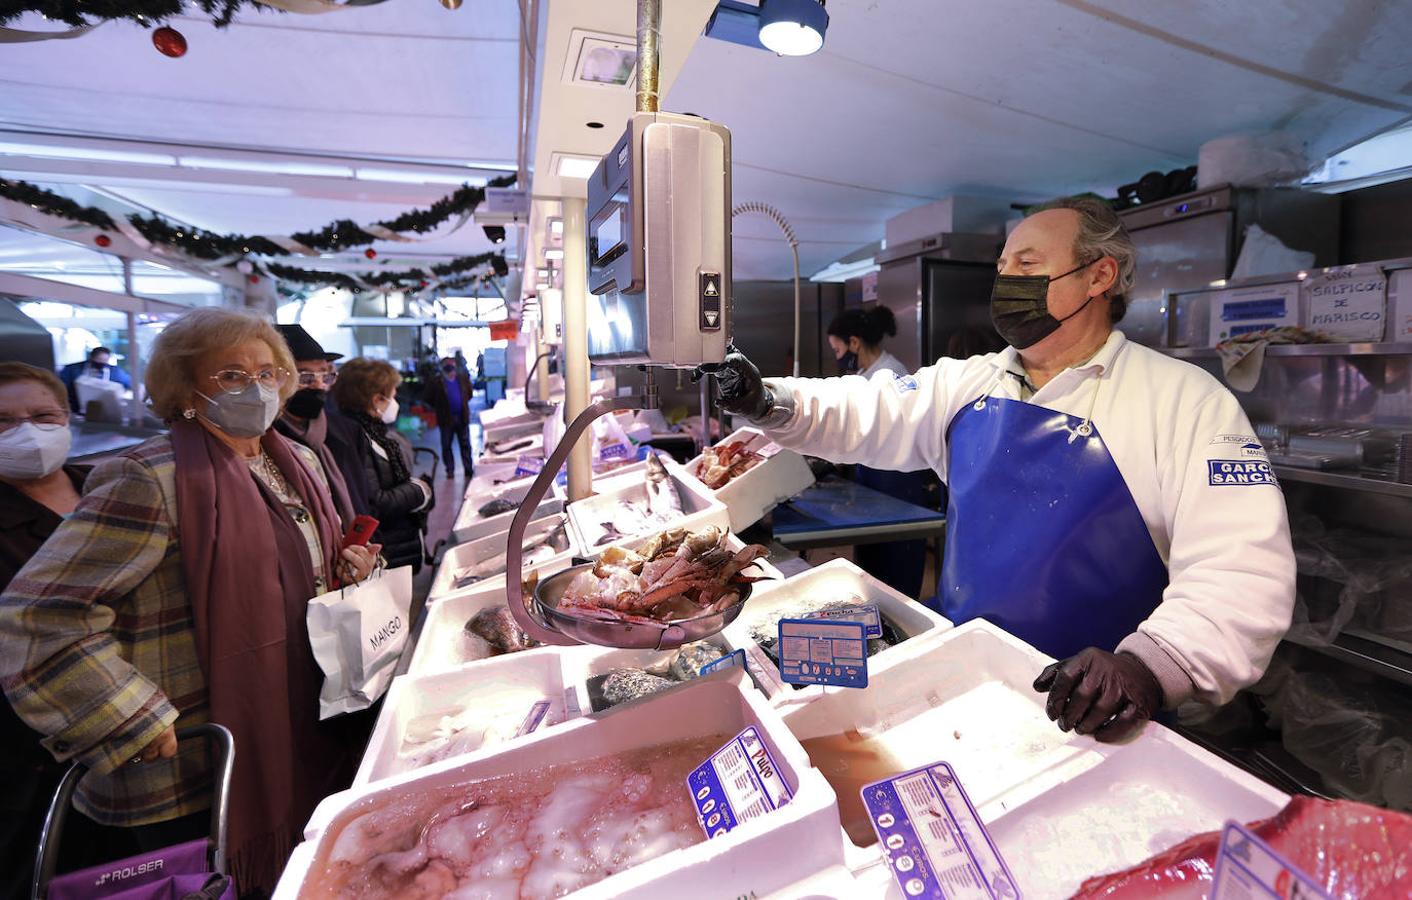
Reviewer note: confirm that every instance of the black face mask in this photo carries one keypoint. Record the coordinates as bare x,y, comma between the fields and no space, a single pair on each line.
1019,307
848,363
449,370
307,403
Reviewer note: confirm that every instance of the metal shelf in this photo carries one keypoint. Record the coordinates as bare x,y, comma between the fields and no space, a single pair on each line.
1347,481
1371,656
1364,349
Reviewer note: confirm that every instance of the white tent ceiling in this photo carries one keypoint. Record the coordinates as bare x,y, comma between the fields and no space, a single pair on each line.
909,101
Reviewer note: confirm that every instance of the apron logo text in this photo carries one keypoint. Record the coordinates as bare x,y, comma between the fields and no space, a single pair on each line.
1234,471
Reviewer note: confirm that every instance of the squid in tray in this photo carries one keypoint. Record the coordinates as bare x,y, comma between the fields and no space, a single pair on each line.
676,575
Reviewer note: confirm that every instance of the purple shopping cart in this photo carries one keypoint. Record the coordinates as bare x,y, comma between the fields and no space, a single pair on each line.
194,869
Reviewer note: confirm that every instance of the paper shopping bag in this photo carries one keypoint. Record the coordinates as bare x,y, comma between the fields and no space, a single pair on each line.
358,634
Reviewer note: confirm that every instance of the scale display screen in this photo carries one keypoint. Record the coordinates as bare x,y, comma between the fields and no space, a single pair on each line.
608,232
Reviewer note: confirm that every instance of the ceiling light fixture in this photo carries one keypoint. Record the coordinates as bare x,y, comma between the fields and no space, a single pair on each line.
321,170
576,166
554,254
49,151
414,176
793,27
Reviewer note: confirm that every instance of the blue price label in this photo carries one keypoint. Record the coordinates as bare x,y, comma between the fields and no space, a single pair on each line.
818,651
1247,868
866,613
735,658
932,839
741,781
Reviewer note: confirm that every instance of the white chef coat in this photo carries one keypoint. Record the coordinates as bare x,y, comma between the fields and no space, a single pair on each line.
1182,444
885,362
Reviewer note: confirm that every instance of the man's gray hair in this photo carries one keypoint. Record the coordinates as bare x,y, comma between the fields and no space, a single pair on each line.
1101,233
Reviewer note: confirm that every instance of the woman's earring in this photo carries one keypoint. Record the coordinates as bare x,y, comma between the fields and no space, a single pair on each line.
188,413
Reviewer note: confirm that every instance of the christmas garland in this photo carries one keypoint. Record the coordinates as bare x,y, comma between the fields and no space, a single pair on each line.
339,235
83,13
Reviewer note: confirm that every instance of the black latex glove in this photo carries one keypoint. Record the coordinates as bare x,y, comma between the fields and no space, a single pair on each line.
1107,695
738,383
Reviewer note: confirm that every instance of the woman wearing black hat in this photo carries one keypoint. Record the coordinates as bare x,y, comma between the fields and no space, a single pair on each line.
307,420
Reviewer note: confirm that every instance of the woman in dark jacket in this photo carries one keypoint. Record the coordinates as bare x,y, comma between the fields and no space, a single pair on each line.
366,392
36,492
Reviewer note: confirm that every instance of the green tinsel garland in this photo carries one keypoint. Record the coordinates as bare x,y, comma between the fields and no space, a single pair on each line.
146,13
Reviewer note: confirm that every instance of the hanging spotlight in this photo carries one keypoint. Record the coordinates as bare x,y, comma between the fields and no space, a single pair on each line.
499,266
451,4
793,27
494,233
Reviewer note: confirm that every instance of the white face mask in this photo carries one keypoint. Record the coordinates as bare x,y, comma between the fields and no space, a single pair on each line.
389,413
32,451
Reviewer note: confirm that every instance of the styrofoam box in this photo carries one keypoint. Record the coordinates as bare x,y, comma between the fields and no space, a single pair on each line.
700,508
1144,798
516,428
611,480
535,448
487,480
969,701
753,494
511,684
470,524
836,579
785,846
473,552
444,642
582,663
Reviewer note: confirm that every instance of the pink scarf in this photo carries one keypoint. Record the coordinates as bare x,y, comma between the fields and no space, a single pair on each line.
249,577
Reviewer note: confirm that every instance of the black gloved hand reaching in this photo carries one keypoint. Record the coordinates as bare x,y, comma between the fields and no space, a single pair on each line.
740,388
1107,695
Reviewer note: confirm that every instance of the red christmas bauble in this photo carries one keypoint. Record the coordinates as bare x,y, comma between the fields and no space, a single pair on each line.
253,279
169,42
103,241
370,253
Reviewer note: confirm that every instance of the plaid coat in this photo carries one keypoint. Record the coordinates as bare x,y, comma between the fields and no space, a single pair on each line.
97,643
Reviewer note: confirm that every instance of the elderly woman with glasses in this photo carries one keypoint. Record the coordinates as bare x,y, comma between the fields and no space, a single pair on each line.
175,594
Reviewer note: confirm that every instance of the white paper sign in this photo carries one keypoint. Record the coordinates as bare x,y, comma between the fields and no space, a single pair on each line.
1254,309
1347,303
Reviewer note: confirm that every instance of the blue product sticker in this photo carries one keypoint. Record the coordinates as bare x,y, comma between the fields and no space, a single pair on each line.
527,465
534,718
815,651
1225,472
734,658
741,781
866,613
1247,868
904,384
932,840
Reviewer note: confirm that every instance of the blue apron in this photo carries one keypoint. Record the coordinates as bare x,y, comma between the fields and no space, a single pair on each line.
1042,535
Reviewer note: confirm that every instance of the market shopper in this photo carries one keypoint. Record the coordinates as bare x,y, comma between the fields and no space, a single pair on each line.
99,364
450,396
37,490
303,419
856,337
366,392
175,594
1108,504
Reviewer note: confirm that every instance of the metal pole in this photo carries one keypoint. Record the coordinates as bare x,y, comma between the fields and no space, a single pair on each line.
576,340
649,32
797,350
134,352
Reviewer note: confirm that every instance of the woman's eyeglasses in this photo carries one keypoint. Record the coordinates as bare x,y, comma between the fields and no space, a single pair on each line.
47,417
310,379
233,381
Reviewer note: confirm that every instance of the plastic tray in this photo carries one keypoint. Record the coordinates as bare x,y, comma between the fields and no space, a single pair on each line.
470,524
699,509
468,554
835,579
753,494
509,684
790,844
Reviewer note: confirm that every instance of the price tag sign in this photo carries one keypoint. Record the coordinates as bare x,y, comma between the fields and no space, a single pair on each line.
534,718
1247,868
735,658
741,781
865,613
816,651
932,840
